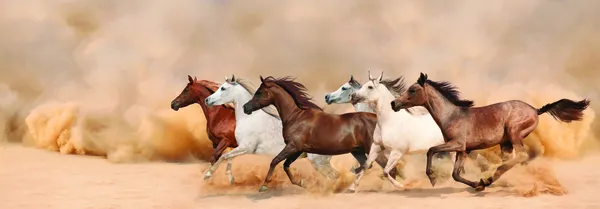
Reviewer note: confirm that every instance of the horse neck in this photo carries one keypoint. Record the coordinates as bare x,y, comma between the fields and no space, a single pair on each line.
383,107
439,107
200,98
241,97
286,106
363,107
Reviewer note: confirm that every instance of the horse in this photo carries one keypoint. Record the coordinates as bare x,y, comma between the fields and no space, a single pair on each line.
401,132
253,138
220,120
341,96
467,128
306,128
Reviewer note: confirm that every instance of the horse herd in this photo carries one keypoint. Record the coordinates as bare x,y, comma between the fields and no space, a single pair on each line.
279,119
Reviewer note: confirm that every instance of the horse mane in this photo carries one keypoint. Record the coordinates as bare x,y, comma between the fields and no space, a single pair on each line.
212,87
251,88
450,92
395,86
296,90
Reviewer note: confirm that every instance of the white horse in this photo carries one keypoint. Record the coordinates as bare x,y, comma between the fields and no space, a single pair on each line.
401,132
258,133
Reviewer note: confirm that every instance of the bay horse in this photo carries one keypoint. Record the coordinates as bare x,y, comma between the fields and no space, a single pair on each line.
467,128
306,128
220,120
266,138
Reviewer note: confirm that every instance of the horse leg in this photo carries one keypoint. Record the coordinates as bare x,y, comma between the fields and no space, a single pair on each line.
450,146
382,161
373,153
286,168
287,151
233,153
459,165
360,156
322,163
395,156
534,150
223,144
516,141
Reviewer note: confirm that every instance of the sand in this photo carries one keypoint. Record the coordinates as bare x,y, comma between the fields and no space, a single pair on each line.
33,178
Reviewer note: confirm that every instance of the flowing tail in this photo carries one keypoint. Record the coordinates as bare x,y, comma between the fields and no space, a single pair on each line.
565,110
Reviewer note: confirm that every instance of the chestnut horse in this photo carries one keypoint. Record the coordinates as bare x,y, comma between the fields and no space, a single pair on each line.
306,128
466,128
220,120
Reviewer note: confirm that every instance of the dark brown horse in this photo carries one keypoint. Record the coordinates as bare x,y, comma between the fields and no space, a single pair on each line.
220,120
306,128
467,128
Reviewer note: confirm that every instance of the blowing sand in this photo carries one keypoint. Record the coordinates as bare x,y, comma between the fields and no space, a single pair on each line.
43,179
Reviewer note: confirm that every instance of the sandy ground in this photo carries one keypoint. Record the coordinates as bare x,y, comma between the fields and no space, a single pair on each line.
32,178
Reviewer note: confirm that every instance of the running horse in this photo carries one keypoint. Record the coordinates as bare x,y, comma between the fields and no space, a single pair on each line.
306,128
466,128
220,120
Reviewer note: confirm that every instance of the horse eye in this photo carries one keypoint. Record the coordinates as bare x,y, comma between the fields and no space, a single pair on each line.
223,89
344,88
370,87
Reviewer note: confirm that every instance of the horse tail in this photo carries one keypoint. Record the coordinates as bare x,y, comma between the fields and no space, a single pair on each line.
565,110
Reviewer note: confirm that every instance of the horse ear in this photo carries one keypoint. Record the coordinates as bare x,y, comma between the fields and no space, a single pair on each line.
370,75
351,79
422,79
381,76
195,79
262,80
232,77
190,79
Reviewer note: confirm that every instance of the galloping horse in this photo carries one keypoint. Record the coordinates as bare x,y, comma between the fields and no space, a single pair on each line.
220,120
401,132
306,128
466,128
259,133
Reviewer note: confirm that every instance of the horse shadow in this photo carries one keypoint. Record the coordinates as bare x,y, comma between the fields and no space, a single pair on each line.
257,196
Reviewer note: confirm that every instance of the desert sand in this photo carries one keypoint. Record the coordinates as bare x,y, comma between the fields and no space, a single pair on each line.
33,178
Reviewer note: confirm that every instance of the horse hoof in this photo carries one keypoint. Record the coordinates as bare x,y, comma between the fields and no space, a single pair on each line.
350,191
231,180
300,183
263,188
433,180
206,177
479,188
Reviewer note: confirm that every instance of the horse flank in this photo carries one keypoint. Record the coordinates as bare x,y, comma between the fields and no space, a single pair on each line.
296,90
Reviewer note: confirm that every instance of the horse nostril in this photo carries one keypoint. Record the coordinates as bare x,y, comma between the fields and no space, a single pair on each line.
393,104
326,97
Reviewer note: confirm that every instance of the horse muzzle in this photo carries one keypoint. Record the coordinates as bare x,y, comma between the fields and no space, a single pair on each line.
396,106
208,102
328,99
174,106
247,108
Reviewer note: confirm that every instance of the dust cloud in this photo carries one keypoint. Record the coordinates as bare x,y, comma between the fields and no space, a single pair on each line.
94,77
